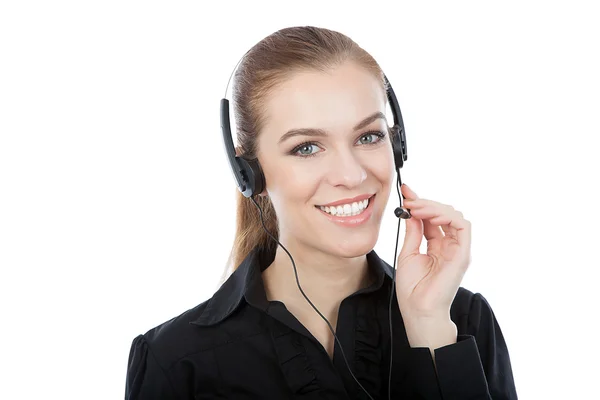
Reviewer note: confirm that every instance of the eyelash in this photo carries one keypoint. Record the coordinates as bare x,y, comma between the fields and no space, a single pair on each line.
379,134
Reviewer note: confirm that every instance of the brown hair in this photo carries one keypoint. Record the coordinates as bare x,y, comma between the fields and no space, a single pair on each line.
263,67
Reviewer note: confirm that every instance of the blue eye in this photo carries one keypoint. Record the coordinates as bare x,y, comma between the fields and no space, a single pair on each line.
379,136
305,146
303,150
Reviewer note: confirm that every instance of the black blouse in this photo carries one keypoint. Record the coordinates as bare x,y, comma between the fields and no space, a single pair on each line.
239,345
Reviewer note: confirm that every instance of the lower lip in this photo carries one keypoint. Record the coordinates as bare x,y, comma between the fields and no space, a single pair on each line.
354,220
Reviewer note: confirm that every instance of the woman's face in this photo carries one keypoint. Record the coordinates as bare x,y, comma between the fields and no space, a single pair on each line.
334,154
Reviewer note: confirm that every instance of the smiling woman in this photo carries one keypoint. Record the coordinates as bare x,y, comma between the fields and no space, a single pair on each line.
351,156
310,110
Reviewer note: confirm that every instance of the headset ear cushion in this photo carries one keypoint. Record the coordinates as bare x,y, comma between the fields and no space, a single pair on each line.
397,147
259,177
253,177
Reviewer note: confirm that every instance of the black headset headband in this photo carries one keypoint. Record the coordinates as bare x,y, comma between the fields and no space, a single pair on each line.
248,174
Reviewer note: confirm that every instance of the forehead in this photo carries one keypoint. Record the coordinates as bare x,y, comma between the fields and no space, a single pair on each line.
333,100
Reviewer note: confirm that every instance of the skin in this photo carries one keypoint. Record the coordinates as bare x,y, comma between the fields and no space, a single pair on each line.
331,259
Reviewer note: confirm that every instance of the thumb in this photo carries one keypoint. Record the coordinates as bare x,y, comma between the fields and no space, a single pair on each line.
413,236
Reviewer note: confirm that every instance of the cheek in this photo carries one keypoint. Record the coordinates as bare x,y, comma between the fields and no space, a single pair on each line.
291,184
384,172
383,167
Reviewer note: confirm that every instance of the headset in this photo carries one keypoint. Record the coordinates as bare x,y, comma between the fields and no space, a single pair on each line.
250,181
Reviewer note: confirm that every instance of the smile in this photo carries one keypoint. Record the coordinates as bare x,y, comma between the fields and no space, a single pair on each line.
347,210
349,215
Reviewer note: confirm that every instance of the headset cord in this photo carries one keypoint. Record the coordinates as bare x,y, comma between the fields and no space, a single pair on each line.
307,299
393,289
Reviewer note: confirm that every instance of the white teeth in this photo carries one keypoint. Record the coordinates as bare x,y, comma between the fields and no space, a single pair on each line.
347,210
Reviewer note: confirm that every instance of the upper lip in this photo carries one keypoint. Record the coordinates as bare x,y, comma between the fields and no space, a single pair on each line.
348,201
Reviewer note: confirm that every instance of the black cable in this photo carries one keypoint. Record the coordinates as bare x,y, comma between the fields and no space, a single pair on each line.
307,299
398,185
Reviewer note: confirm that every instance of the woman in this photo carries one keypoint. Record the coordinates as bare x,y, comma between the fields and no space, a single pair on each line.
258,337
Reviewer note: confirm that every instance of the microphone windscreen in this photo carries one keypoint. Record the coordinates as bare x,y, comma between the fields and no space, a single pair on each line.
402,213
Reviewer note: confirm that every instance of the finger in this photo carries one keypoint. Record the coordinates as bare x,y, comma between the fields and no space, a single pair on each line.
436,221
427,202
412,238
407,192
431,231
460,228
414,227
456,271
450,230
422,203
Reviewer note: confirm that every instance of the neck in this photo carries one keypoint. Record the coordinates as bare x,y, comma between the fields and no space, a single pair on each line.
326,279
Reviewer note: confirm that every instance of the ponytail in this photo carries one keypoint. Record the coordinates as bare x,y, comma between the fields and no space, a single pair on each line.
249,232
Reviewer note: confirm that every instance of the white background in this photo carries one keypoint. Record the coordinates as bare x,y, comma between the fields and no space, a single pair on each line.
117,205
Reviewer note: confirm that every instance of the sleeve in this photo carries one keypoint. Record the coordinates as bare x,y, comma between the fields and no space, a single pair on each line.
146,380
477,366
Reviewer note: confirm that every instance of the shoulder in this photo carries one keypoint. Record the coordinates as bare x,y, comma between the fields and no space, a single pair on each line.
462,302
188,334
153,355
157,367
469,311
177,337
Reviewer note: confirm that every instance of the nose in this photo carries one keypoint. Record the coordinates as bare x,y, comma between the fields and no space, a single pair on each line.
346,169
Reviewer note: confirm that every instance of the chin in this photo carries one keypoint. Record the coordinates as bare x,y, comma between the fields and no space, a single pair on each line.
355,247
347,242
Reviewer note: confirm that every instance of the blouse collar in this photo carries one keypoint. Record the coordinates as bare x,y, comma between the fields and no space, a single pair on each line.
246,283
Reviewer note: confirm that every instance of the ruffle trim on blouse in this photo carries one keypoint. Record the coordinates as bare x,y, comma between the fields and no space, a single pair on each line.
294,362
368,356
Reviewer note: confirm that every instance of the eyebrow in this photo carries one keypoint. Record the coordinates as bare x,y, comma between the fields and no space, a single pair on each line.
320,132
